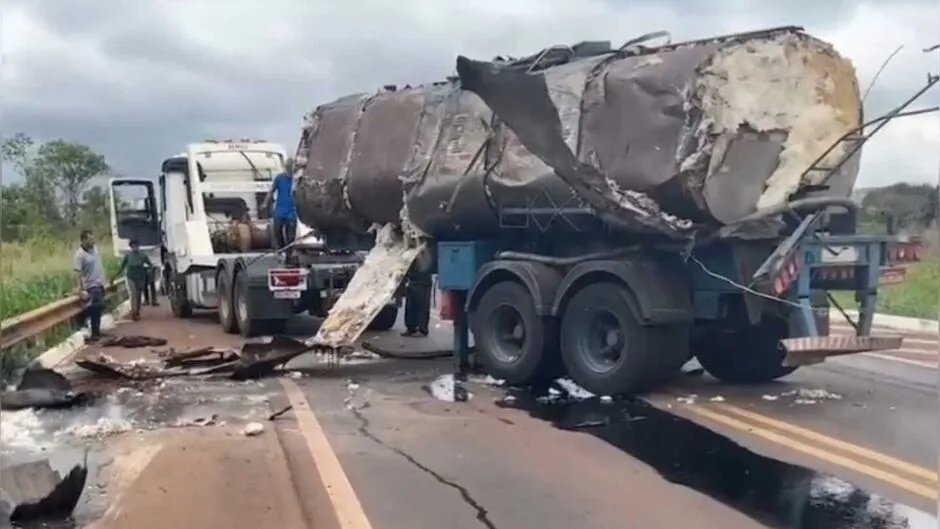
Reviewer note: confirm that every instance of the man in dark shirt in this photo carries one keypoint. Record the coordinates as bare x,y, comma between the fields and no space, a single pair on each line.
137,268
418,295
285,215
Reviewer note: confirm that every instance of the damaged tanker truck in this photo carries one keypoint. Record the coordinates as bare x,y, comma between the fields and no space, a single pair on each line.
610,213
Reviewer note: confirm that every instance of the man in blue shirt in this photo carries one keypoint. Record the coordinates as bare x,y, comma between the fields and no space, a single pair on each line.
285,215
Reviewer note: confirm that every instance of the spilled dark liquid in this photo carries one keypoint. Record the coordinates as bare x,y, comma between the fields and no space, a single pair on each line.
777,494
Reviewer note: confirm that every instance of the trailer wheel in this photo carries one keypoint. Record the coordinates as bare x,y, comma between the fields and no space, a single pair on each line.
748,356
226,306
513,342
606,349
247,326
385,319
179,297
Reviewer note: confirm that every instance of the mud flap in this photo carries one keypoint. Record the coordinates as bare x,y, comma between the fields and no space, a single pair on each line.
369,291
815,349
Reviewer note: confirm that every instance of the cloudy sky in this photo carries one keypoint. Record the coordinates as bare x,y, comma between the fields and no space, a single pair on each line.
138,79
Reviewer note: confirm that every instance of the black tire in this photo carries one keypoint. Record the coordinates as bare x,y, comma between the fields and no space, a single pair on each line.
749,356
179,297
226,304
385,319
638,359
248,327
505,308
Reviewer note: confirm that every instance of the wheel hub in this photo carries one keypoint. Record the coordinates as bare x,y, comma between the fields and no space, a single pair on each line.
509,334
603,342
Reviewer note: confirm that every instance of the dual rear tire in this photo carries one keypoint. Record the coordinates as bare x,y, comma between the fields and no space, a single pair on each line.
235,312
599,342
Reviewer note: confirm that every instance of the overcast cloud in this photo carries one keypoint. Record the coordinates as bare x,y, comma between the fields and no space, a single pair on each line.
137,80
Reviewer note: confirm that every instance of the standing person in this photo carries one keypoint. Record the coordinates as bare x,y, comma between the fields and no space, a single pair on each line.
137,268
418,295
91,282
150,288
285,215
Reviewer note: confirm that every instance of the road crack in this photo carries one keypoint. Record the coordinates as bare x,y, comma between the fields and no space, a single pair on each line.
482,515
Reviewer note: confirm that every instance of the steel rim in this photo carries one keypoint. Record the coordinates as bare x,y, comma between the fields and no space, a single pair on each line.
508,337
602,341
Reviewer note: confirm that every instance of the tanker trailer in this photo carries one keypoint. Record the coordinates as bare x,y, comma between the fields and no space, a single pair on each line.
603,212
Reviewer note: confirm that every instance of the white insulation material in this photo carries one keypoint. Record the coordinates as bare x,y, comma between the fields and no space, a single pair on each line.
790,84
370,289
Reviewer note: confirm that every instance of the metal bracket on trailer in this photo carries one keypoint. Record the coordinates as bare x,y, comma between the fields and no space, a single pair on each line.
815,349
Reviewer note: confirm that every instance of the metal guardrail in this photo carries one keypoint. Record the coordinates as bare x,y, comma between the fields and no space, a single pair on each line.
35,322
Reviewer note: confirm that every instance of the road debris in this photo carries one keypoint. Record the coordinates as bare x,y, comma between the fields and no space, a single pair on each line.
131,342
198,421
43,388
202,357
253,428
448,388
102,429
39,494
277,414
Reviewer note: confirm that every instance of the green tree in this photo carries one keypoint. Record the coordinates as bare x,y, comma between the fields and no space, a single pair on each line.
55,194
70,167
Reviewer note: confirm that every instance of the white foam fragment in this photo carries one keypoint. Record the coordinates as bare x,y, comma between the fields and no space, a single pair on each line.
717,398
102,428
18,429
370,289
812,394
574,391
253,428
444,388
788,83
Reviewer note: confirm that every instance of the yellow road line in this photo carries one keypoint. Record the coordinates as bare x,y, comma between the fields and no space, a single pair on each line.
346,504
819,453
837,444
932,365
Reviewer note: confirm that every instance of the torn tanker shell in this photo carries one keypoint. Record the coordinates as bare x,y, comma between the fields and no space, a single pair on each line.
370,289
664,140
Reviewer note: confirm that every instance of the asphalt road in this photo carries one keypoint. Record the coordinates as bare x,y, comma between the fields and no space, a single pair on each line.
850,443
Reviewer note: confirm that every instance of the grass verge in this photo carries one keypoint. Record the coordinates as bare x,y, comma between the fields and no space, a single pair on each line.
39,271
917,297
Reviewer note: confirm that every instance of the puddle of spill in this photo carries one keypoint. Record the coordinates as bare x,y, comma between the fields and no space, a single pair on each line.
777,494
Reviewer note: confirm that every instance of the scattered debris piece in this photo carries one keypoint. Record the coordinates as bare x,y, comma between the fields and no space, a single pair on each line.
198,421
42,378
296,374
488,380
277,414
39,492
717,398
105,427
43,388
107,366
769,397
258,359
253,428
448,389
131,342
573,390
42,398
607,399
812,394
204,356
690,399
